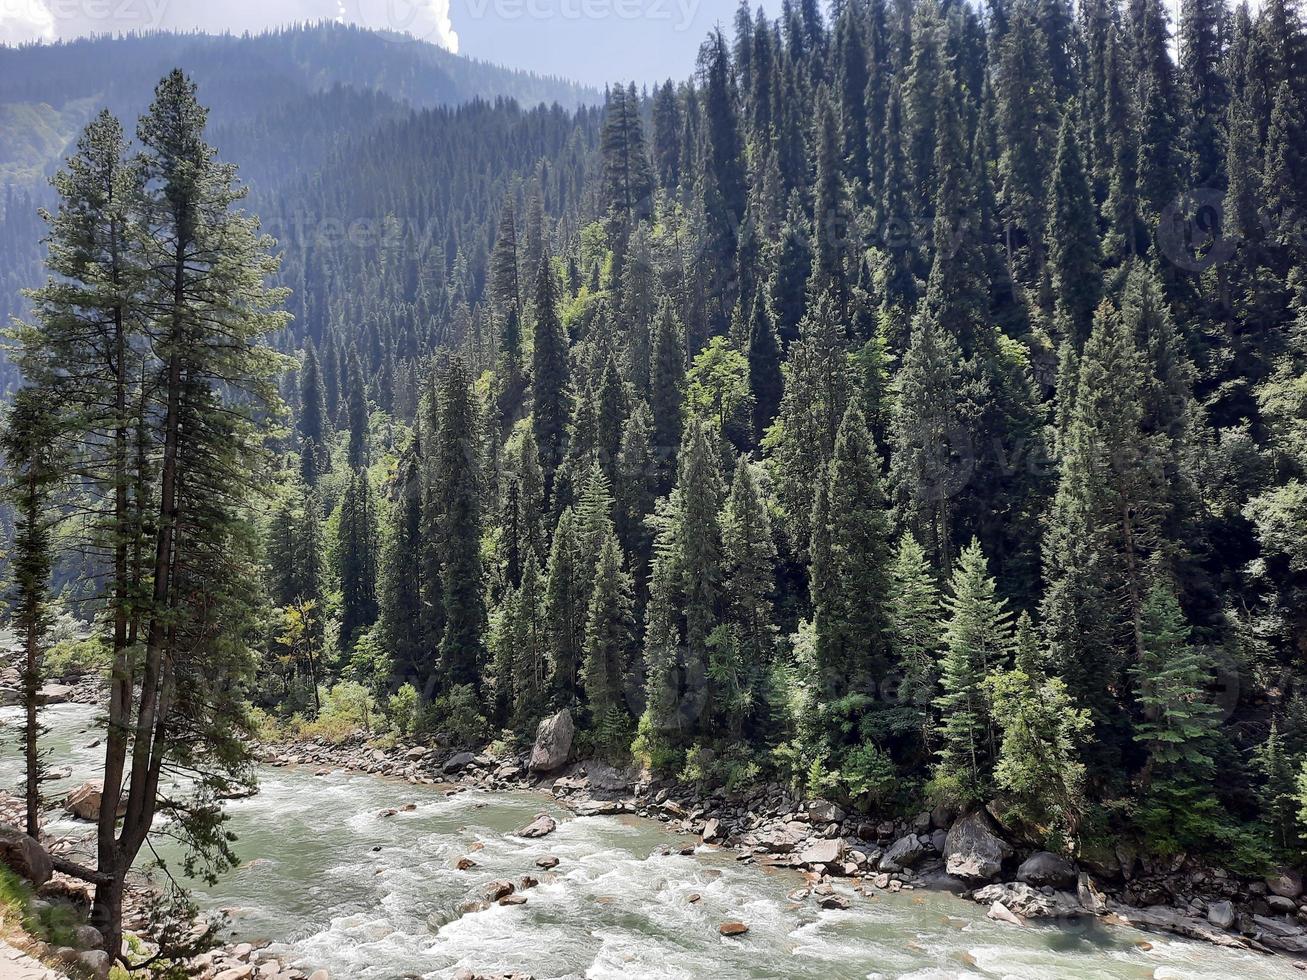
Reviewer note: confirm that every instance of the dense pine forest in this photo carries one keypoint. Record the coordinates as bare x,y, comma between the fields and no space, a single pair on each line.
910,406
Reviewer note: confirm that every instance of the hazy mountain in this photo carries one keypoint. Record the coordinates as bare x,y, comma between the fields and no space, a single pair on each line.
48,92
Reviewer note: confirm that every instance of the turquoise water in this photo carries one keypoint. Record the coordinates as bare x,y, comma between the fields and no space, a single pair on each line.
337,885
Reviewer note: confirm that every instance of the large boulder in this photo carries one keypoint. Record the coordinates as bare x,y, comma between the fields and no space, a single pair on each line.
1045,868
541,826
903,853
84,802
1285,883
823,851
553,742
1221,914
25,856
973,848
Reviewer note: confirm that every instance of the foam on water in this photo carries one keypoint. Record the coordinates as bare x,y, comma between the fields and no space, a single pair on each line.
379,898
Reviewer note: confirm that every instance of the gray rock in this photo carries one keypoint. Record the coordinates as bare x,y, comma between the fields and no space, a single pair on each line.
1282,905
1029,902
541,826
96,962
1221,914
553,742
712,831
938,839
1046,868
823,811
1161,917
25,856
601,808
459,762
1277,927
88,937
973,848
903,853
1286,883
1091,899
823,851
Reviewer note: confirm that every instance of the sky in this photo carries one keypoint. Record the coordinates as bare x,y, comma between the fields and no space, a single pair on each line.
592,41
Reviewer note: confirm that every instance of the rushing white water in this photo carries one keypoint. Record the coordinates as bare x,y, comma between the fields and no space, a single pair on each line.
334,884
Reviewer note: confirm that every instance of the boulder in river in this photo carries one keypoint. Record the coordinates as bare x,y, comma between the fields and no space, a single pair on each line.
732,928
973,848
547,862
712,831
823,851
553,742
25,855
1046,868
1001,913
84,802
541,826
498,889
1031,903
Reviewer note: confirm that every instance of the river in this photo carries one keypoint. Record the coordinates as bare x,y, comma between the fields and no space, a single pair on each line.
335,884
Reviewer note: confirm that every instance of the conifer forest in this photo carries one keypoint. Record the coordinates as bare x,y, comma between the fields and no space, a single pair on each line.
904,407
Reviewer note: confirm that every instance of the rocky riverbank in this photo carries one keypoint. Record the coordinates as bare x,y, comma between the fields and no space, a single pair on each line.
968,854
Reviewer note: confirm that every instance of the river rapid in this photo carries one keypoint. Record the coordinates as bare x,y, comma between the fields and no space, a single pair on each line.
333,883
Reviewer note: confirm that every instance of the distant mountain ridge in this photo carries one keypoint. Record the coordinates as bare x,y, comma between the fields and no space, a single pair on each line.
49,91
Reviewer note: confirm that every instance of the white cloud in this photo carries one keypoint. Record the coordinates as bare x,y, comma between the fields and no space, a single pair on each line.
44,20
25,20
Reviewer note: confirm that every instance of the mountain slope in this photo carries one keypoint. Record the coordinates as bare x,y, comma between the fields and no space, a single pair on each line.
50,91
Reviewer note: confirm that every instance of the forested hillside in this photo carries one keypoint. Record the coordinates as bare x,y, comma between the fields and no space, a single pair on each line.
910,406
285,104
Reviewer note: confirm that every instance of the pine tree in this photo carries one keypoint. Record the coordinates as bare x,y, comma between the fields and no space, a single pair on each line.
550,379
312,420
1171,676
927,466
667,391
609,640
850,568
399,588
459,486
356,560
766,382
31,443
565,608
744,650
357,411
977,641
1041,729
1073,237
915,623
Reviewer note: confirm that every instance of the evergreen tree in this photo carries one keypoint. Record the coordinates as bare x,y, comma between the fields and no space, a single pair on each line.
458,488
356,560
609,641
565,608
915,622
550,379
1040,729
745,647
313,423
977,641
357,411
31,444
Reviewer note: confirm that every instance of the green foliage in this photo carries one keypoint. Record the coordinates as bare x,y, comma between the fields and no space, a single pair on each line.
348,709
